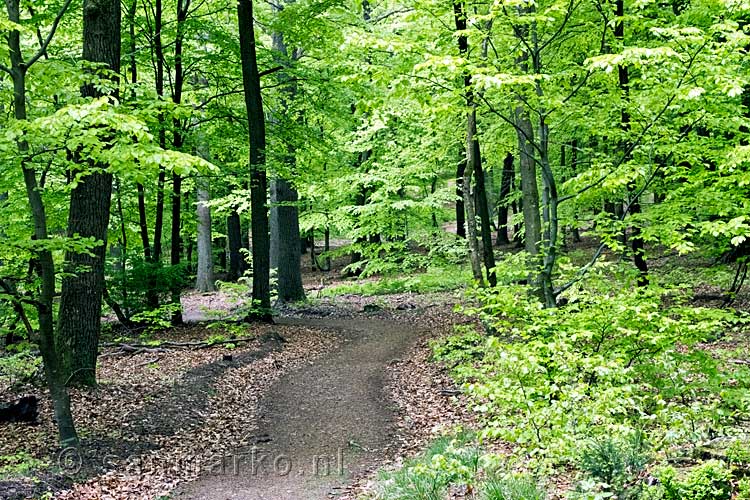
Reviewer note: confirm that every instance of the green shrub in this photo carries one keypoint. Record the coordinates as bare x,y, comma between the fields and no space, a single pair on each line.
18,369
610,362
140,281
433,279
711,480
738,452
616,463
448,461
157,319
19,464
743,489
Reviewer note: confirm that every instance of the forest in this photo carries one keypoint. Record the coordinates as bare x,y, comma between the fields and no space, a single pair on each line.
360,249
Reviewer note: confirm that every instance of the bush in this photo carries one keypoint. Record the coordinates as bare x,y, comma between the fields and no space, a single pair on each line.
743,489
616,463
141,282
18,369
447,462
712,480
610,362
19,464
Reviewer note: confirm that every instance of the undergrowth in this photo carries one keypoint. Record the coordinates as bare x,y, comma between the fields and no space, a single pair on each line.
433,279
610,389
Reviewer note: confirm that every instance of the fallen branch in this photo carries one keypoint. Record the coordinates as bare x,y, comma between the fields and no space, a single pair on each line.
134,349
194,345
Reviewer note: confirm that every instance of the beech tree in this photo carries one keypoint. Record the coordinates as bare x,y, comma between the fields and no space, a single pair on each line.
258,180
88,217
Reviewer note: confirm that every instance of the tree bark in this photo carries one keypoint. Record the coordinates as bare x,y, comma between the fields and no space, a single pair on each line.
506,181
205,272
460,211
258,181
79,321
285,237
480,194
44,264
175,254
636,241
237,266
527,161
285,241
473,162
529,189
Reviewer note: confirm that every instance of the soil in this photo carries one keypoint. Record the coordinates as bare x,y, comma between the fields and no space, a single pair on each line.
322,424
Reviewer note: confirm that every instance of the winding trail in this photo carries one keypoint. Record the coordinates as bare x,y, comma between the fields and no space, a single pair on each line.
322,424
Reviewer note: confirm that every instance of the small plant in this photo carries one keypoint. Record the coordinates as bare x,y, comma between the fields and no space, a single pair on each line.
466,345
738,453
157,319
231,329
712,480
512,488
616,463
19,464
18,369
447,462
743,489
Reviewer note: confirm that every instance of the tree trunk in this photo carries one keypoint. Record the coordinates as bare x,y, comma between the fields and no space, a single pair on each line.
285,241
44,264
480,194
205,272
258,182
159,83
79,321
460,211
473,163
183,7
506,181
285,237
529,190
636,241
471,230
234,236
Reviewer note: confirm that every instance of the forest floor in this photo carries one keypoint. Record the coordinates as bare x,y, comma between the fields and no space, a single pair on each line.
338,388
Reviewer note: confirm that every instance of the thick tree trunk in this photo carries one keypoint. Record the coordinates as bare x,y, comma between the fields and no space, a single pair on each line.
284,221
473,161
183,7
258,182
529,188
79,323
471,230
506,181
159,83
285,241
205,272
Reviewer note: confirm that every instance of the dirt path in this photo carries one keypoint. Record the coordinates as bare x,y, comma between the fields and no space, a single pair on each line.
321,424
